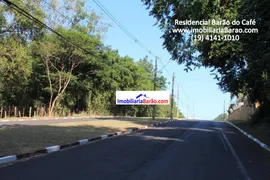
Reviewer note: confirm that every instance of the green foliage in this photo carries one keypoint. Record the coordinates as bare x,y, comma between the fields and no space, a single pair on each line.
19,26
221,117
39,69
165,111
15,70
240,66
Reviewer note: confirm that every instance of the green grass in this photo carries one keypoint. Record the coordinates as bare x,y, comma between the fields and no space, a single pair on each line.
22,139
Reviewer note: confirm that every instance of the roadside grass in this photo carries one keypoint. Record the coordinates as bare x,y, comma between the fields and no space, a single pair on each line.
260,131
78,115
18,139
45,117
25,118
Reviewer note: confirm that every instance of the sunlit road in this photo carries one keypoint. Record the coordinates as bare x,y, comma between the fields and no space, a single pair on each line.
180,150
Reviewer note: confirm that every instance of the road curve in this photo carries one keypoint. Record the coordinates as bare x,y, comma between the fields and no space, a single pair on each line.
186,150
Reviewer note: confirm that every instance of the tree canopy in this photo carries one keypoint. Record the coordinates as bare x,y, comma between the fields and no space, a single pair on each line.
39,69
239,66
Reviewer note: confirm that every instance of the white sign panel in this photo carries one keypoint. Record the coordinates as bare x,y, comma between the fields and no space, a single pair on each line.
142,97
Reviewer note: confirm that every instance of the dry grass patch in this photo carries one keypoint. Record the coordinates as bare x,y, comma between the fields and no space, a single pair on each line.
23,139
115,124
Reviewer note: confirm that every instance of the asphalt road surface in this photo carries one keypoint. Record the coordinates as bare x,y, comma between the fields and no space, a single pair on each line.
180,150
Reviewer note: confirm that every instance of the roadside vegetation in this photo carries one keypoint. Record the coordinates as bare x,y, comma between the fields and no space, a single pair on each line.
42,74
241,67
19,139
221,117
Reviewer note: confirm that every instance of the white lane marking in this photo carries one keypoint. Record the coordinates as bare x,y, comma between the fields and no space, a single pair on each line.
251,137
239,163
225,147
5,120
7,159
189,131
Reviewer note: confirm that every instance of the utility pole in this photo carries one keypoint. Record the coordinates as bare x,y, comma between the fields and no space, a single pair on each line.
187,110
155,86
193,110
177,102
172,97
224,116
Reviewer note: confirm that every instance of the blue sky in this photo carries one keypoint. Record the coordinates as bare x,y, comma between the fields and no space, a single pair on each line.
197,87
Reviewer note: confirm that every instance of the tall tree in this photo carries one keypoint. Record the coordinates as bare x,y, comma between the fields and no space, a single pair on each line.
240,66
60,58
15,71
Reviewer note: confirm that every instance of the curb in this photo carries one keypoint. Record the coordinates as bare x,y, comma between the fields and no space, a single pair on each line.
250,137
57,118
55,148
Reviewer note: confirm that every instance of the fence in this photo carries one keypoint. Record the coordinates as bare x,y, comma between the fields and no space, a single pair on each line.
243,112
14,111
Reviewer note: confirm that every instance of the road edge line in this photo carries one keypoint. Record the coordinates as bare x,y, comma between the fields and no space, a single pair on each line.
7,159
55,148
239,162
266,147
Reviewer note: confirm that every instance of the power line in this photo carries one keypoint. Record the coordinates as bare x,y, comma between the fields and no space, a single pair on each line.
155,85
182,89
172,96
177,101
164,66
198,80
64,16
29,16
106,11
51,6
115,20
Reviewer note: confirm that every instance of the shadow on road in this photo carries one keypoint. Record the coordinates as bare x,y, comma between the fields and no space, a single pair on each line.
18,139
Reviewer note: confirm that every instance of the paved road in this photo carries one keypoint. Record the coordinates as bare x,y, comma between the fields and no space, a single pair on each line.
182,150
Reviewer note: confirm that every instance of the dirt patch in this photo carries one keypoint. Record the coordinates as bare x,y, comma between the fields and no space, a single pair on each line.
17,139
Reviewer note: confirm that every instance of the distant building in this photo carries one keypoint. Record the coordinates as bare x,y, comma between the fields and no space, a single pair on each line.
242,110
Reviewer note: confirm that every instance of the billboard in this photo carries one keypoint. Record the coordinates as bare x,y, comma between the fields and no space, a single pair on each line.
142,97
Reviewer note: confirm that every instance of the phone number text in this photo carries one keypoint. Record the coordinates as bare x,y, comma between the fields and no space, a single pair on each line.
215,38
